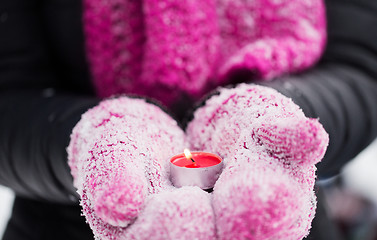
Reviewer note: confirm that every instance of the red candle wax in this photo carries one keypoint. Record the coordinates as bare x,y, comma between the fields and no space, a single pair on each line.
199,169
202,160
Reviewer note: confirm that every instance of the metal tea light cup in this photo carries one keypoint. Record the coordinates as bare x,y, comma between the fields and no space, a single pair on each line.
203,177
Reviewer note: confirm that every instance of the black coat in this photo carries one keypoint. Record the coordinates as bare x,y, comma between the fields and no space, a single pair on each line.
45,87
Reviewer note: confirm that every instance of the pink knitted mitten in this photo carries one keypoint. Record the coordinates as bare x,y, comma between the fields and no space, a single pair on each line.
270,150
118,155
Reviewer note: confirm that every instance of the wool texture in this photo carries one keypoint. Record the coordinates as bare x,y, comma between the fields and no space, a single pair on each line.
120,150
172,50
270,150
168,50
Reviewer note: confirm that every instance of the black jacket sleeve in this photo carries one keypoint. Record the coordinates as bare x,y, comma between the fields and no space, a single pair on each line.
44,89
342,89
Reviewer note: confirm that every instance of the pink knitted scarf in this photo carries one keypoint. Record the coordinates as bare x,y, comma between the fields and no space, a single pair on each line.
166,49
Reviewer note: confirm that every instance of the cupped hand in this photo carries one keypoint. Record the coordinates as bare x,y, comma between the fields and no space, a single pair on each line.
270,150
119,155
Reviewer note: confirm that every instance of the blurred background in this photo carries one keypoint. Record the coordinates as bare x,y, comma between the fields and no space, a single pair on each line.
351,198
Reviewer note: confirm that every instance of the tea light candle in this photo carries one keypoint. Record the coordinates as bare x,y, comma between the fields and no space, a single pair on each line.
200,169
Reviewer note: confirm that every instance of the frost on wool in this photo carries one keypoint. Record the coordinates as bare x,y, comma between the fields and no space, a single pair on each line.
119,153
270,150
117,156
185,213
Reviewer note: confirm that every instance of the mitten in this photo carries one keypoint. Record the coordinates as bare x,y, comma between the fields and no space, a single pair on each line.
270,150
118,156
263,39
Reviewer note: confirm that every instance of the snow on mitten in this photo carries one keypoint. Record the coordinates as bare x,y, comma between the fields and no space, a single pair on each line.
270,150
119,154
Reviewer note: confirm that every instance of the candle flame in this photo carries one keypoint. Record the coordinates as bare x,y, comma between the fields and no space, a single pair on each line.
187,154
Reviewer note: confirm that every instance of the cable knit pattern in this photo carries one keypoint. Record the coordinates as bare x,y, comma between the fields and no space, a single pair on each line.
169,49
